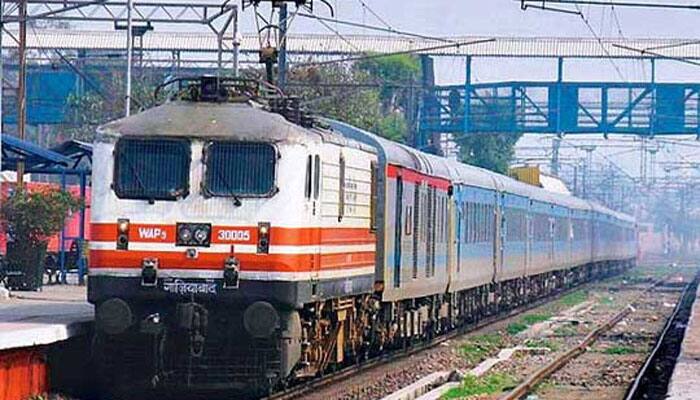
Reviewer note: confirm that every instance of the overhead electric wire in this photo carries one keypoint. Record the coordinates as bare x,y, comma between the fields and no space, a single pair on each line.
533,3
377,28
340,35
616,18
380,19
411,51
600,42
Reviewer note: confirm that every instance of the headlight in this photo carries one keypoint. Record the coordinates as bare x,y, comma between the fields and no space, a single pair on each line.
263,237
201,235
193,234
123,225
122,234
185,234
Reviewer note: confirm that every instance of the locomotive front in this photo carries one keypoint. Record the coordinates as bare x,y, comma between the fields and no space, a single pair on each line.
183,195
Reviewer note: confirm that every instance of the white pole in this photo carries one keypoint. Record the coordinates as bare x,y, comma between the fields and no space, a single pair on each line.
236,43
129,50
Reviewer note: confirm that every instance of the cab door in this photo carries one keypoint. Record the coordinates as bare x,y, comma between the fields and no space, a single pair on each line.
314,197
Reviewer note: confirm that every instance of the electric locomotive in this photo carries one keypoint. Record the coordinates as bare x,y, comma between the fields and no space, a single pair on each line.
240,245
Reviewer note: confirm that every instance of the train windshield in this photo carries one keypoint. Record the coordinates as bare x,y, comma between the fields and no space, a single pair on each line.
240,169
152,169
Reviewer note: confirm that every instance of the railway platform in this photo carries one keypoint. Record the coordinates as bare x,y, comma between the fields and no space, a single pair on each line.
684,383
39,330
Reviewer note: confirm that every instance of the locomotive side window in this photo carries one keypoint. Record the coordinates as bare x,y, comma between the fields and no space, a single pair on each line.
307,184
151,169
240,169
341,189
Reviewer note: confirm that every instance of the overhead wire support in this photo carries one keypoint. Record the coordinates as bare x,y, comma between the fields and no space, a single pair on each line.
657,55
115,10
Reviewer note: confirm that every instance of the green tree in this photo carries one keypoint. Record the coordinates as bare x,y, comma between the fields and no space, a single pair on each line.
367,94
389,71
104,101
490,151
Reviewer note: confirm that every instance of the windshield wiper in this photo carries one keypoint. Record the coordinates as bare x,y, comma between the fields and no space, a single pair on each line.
236,200
137,177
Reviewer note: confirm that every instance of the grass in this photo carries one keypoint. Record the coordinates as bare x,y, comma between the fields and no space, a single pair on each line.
606,301
490,384
532,319
574,298
619,350
479,347
526,321
566,330
542,343
515,327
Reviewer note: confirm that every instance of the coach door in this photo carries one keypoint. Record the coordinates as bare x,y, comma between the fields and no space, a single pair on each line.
313,191
529,231
398,230
551,240
502,234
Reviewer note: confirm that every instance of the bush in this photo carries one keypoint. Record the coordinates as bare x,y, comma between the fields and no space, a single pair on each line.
29,220
36,216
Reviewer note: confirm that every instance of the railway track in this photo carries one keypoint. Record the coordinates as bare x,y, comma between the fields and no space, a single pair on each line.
653,377
342,374
647,377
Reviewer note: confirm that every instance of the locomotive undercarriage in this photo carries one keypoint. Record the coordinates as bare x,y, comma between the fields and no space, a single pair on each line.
206,348
193,347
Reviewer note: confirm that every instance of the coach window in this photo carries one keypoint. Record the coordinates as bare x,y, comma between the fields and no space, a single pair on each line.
151,169
242,169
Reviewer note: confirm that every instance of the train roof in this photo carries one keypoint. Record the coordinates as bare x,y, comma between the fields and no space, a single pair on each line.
399,154
408,157
236,121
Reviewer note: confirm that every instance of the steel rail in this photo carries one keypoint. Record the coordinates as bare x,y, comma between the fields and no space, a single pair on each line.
326,380
538,376
632,391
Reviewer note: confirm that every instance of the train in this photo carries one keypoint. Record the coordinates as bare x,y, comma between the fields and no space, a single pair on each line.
240,245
